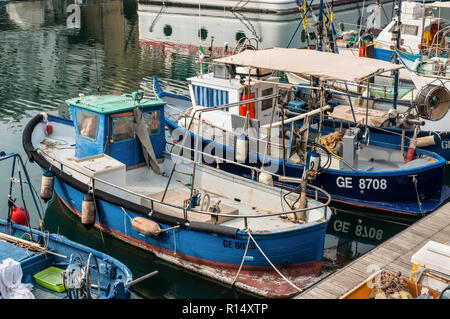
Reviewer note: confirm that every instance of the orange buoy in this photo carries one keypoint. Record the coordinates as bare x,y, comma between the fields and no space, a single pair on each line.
18,215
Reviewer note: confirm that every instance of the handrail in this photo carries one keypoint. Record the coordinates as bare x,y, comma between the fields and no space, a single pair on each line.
17,157
152,200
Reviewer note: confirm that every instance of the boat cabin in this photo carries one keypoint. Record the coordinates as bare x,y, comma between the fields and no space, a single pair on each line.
220,88
106,124
417,30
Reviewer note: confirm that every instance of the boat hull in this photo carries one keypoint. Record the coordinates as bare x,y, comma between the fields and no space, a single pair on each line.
216,256
60,249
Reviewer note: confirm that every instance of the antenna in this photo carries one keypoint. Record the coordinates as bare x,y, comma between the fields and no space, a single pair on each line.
96,67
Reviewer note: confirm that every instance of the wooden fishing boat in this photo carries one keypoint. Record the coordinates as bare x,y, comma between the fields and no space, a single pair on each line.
112,169
364,174
37,264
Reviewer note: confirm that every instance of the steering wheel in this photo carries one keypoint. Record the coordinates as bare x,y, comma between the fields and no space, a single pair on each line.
78,277
88,277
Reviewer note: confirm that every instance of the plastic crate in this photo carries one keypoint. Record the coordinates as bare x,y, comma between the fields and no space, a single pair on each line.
51,278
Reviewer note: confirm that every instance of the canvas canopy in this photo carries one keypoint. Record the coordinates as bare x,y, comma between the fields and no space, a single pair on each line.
324,65
438,4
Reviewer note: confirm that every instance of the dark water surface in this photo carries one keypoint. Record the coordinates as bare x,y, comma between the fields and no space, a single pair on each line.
116,50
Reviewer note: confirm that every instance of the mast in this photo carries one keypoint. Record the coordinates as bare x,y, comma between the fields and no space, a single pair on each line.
320,44
398,24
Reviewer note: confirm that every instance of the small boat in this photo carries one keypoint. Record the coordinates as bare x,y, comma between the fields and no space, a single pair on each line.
35,264
429,279
111,168
364,174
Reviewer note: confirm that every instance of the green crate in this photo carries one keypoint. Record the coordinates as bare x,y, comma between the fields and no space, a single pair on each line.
51,278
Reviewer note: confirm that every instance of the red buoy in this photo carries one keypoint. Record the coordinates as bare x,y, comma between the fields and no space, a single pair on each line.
18,215
49,129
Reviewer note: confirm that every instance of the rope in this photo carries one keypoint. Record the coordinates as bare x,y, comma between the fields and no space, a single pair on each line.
242,262
124,220
414,180
259,248
331,152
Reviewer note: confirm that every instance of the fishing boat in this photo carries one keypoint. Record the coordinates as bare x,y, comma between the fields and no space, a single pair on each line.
35,264
236,114
429,278
111,167
428,107
265,6
419,27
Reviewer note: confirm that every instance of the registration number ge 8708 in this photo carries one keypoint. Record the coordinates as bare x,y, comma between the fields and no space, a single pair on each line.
363,183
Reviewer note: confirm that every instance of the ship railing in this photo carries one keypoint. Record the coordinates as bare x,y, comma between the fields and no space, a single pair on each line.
186,209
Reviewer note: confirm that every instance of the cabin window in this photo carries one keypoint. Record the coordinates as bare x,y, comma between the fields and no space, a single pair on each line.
153,122
87,124
266,104
407,29
123,128
209,97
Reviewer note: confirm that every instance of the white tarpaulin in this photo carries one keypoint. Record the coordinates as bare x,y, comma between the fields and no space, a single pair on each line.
324,65
11,286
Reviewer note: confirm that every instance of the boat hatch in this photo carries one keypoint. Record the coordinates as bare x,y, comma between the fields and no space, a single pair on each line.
109,125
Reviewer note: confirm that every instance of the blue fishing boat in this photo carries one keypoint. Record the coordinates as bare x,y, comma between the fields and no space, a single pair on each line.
360,172
37,264
111,167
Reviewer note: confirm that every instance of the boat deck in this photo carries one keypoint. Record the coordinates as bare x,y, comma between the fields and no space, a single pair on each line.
393,255
235,196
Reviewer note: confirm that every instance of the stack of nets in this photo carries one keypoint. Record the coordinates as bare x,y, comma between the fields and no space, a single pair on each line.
390,286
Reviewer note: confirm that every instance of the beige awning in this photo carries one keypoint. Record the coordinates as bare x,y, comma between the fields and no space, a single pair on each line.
324,65
438,4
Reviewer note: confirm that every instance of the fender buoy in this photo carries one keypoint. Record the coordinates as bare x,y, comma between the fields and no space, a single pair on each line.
145,226
88,211
47,186
18,215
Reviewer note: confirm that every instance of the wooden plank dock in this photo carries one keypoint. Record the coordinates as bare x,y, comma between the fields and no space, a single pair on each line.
393,255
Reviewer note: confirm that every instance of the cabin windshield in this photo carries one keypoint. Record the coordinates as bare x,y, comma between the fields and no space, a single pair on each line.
87,124
406,29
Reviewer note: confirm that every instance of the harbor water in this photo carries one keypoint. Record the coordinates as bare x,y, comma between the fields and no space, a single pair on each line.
53,50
